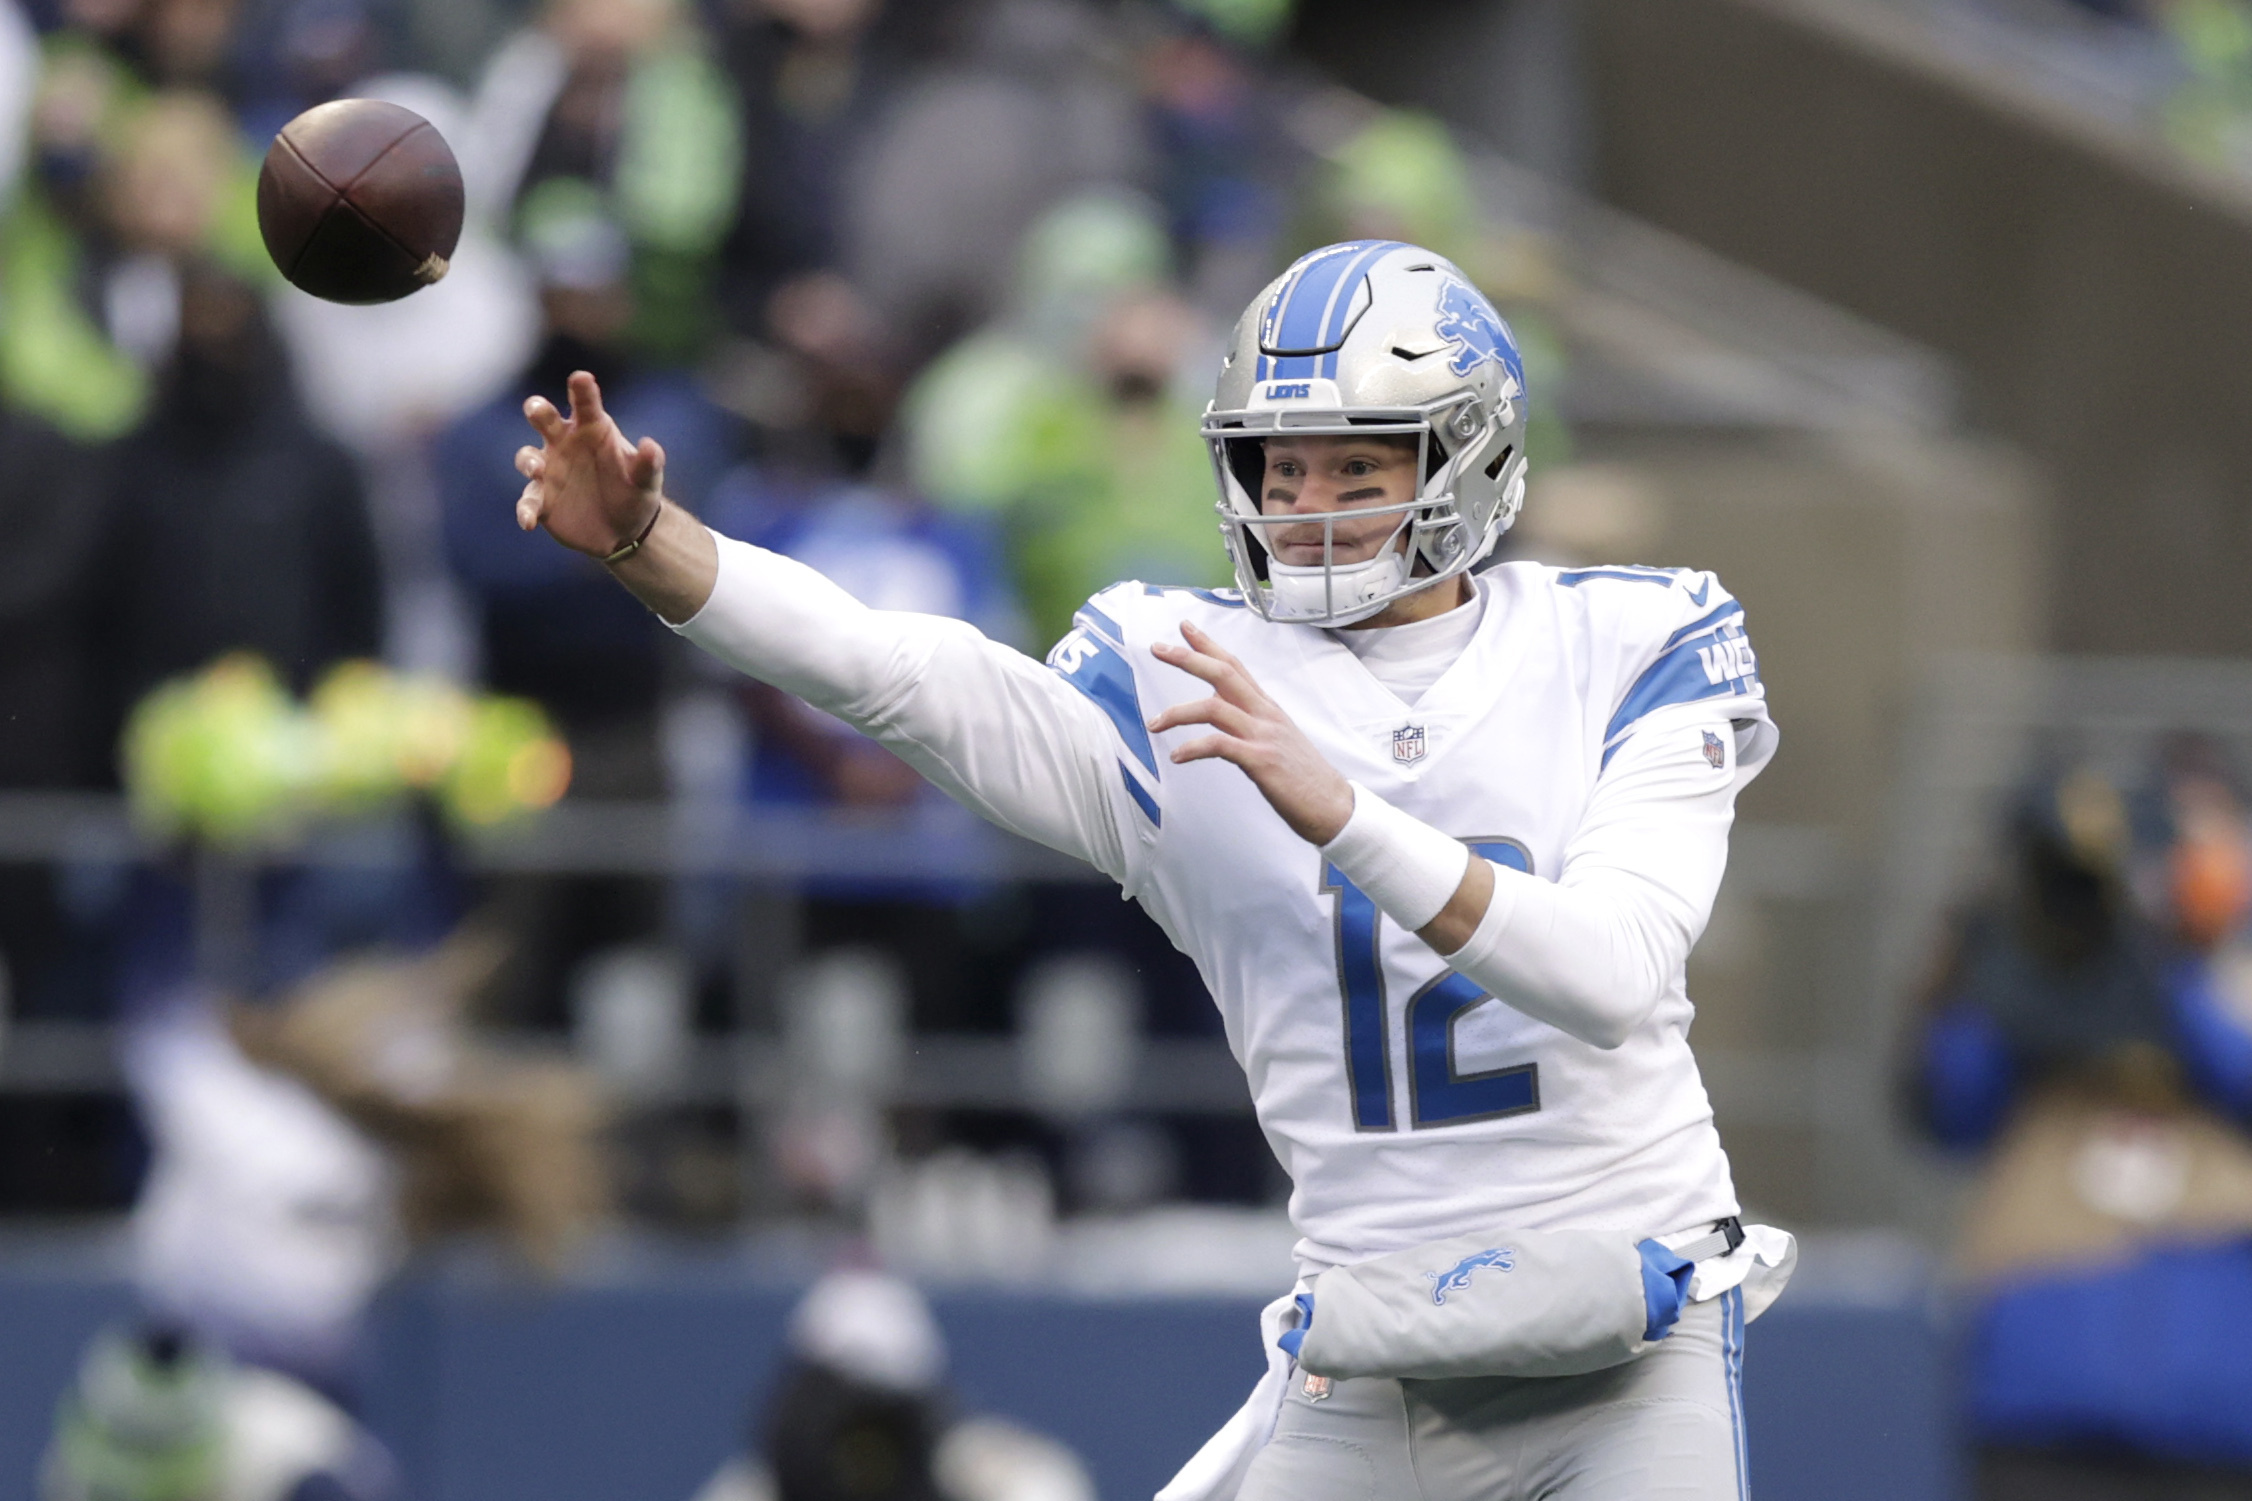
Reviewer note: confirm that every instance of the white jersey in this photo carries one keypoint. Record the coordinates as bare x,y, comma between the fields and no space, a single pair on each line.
1405,1104
1598,723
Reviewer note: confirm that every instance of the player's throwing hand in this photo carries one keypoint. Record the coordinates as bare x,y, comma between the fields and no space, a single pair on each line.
593,491
1256,735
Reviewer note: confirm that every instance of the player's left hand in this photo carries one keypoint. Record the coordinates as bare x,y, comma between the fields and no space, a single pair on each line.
1256,735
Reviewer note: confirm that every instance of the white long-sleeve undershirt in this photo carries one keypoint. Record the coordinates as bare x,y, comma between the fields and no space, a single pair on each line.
1594,951
1591,952
992,728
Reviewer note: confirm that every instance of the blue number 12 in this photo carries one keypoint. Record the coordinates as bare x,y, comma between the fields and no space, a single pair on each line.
1438,1094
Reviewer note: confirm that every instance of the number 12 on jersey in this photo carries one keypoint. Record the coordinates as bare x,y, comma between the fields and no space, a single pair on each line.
1438,1093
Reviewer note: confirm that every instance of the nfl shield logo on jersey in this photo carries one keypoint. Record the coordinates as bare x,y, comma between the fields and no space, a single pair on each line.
1715,752
1407,744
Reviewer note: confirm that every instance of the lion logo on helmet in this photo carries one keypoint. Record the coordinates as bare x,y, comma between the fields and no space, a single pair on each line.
1467,321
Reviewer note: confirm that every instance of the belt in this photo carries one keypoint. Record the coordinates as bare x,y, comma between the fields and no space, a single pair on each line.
1726,1236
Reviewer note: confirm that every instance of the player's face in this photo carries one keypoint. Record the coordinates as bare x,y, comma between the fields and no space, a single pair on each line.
1310,476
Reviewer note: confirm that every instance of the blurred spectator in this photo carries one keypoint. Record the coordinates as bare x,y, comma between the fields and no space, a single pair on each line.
53,507
890,554
1073,422
1226,162
814,75
234,524
2209,112
2092,1032
156,1416
123,186
1034,101
861,1413
19,78
266,1221
477,1138
621,103
268,60
51,714
554,626
904,150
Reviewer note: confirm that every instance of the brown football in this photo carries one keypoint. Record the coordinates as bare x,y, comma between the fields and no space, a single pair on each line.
360,201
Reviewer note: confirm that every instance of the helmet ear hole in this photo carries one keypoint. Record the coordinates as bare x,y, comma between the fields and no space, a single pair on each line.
1493,470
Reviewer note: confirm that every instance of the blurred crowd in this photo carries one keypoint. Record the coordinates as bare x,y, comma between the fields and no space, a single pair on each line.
2087,1040
927,293
2179,68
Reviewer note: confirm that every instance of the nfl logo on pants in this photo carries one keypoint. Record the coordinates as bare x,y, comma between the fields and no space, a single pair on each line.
1407,744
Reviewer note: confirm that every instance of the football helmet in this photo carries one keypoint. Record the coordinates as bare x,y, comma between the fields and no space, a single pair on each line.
1371,337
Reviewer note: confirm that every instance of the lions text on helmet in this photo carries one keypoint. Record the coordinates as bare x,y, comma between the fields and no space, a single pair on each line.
1368,432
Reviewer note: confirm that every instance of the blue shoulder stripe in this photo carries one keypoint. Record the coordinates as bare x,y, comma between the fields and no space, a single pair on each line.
1716,662
1102,622
1100,670
1733,607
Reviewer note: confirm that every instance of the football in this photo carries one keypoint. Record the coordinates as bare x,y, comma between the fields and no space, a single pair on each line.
360,201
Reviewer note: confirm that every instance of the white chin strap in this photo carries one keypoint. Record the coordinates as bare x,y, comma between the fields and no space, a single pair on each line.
1340,593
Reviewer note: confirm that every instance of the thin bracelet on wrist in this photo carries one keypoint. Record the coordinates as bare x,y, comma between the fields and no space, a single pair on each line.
630,548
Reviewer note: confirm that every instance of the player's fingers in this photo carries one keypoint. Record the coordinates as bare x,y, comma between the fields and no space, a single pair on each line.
1201,639
586,398
1197,712
529,505
545,420
647,466
1191,661
1215,711
530,462
1233,678
1210,748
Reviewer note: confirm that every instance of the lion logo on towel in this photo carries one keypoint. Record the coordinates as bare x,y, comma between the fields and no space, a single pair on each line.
1457,1277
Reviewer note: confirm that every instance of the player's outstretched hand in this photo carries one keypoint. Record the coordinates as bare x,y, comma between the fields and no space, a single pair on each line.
1256,735
595,493
591,489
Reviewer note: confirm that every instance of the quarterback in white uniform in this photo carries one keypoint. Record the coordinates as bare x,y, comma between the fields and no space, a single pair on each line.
1439,842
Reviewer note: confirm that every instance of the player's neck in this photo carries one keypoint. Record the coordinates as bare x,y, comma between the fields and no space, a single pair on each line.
1423,604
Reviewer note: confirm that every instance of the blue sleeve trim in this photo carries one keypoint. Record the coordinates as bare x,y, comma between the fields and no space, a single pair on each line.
1294,1338
1141,797
1099,669
1578,576
1665,1288
1687,670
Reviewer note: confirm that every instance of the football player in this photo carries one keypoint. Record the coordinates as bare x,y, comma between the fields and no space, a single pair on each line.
1439,842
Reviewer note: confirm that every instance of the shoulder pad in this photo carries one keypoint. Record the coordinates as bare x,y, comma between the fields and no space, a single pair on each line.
1132,608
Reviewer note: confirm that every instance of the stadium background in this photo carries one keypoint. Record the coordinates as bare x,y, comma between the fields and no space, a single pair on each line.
1920,321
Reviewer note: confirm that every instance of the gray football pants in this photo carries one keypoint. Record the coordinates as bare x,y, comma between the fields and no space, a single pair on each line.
1667,1424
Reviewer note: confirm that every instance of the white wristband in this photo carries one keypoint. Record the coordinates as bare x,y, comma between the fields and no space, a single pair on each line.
1409,869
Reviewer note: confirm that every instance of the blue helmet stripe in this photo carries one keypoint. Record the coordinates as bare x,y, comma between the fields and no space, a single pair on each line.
1341,295
1341,304
1301,314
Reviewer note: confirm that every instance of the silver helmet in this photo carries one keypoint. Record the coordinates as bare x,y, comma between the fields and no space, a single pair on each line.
1371,337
